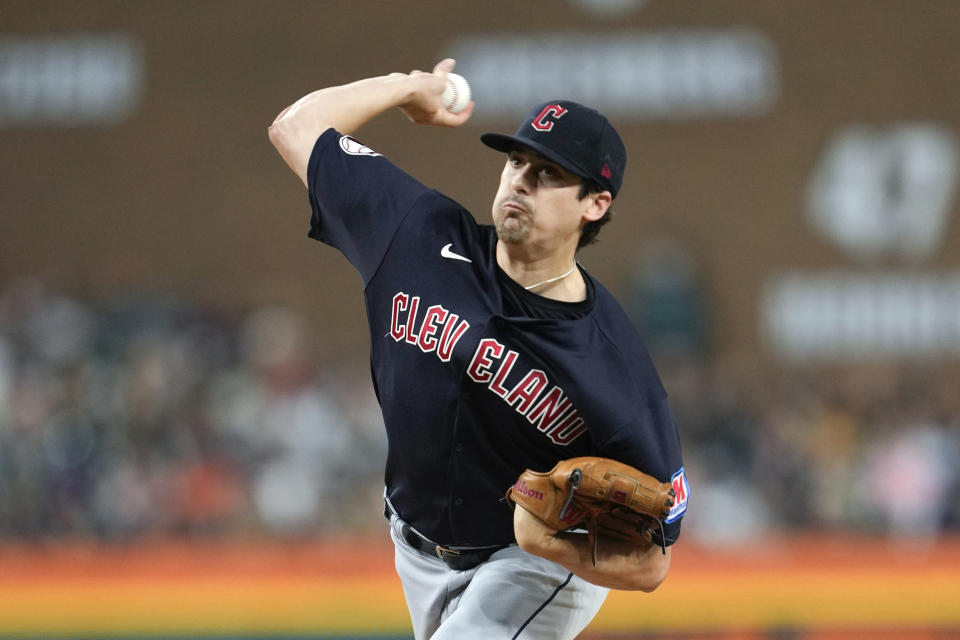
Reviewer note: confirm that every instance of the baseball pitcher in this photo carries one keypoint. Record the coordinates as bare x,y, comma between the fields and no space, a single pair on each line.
534,462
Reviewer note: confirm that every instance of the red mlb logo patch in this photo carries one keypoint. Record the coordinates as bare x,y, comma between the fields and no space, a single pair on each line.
682,489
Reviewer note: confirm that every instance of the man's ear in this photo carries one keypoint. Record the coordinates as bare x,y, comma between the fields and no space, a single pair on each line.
598,203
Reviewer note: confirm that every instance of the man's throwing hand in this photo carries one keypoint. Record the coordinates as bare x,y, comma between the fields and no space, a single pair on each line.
426,105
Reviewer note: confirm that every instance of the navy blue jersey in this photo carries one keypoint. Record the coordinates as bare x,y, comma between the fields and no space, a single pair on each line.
477,378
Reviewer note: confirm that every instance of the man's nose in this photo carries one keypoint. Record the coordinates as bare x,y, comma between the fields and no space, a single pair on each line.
520,181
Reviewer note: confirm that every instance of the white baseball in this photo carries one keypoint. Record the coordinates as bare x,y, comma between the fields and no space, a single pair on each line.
456,96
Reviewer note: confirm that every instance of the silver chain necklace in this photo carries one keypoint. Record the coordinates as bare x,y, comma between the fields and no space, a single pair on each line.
549,280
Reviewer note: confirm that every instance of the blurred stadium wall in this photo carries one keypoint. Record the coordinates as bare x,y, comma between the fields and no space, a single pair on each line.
135,148
178,360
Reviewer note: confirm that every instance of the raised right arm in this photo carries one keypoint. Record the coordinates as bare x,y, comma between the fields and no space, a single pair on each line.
348,107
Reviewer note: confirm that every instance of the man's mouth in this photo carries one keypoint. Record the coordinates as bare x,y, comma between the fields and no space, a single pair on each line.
514,205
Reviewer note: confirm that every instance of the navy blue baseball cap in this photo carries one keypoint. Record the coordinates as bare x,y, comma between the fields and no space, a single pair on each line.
578,138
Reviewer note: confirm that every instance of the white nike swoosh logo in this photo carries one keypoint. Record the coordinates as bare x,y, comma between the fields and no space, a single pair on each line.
446,253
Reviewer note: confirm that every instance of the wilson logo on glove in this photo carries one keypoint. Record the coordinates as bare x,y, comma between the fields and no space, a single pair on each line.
522,488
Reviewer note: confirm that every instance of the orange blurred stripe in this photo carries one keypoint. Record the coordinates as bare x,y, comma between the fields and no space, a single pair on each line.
204,605
788,598
309,587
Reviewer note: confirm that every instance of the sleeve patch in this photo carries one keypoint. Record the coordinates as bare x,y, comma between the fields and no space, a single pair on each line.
682,489
356,148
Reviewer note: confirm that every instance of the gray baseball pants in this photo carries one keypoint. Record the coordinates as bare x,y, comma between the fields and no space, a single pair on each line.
514,595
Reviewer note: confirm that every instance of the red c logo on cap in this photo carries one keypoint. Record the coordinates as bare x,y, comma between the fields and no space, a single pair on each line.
540,123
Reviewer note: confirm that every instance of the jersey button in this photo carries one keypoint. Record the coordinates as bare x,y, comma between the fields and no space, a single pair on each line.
458,447
458,502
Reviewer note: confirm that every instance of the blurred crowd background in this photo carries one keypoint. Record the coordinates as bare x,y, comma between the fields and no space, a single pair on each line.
146,416
178,359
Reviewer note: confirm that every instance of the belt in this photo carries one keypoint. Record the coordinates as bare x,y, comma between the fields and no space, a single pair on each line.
457,558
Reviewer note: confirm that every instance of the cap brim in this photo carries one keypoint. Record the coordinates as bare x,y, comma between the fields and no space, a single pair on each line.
505,143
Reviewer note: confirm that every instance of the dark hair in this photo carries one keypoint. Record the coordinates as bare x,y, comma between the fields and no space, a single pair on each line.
592,228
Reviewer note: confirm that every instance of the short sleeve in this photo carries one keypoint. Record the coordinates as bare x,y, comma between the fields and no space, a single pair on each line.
358,199
652,445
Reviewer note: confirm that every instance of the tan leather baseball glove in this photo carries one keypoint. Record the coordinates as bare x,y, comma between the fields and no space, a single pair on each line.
597,494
